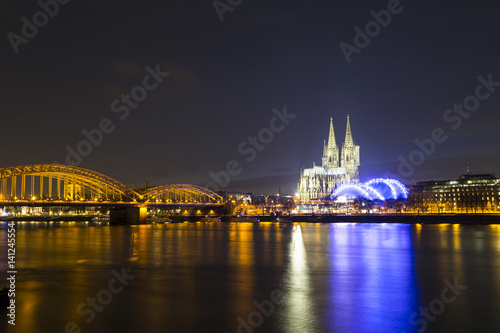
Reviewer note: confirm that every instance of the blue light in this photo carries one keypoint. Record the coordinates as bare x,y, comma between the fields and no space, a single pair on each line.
374,189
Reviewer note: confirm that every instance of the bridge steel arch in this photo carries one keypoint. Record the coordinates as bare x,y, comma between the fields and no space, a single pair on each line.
65,182
183,193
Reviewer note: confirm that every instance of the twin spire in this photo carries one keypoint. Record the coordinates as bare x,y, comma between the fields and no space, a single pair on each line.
348,135
331,151
339,166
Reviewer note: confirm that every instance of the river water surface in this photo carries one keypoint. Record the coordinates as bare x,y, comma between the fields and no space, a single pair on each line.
244,277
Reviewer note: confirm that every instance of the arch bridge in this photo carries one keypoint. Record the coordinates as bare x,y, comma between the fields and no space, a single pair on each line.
54,183
180,193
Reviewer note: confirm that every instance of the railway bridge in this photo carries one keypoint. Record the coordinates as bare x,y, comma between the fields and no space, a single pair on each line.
52,185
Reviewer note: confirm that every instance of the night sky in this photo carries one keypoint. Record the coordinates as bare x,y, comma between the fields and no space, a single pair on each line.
226,77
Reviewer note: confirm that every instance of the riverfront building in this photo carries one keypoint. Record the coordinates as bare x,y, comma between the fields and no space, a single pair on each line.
338,167
467,194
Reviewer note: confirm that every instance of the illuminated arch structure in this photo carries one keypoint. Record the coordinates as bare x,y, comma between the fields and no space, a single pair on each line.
71,183
375,189
179,193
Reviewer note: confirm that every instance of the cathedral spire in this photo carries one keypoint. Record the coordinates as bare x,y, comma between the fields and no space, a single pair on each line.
330,150
331,138
348,135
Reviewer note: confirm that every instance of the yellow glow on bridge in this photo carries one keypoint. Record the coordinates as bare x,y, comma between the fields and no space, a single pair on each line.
59,184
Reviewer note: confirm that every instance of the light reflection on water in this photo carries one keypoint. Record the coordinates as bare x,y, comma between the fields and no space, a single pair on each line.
299,316
371,280
205,277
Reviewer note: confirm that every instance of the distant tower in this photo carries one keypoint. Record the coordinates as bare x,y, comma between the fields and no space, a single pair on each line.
350,155
331,152
319,182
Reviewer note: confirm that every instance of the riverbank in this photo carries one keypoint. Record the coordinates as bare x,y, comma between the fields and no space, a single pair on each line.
48,218
324,218
400,218
376,218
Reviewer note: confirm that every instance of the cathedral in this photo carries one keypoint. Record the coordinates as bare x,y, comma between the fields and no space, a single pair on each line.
338,167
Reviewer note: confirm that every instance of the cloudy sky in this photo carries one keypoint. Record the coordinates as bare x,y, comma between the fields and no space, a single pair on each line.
174,91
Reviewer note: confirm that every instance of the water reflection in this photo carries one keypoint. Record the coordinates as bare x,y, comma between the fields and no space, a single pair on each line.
202,277
371,279
241,260
299,310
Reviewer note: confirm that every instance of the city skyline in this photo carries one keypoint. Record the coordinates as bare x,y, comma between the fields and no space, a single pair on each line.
428,72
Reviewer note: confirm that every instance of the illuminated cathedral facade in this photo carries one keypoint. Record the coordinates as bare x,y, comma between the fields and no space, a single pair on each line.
338,167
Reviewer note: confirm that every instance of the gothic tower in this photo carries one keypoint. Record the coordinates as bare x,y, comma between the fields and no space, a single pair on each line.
319,182
350,155
331,152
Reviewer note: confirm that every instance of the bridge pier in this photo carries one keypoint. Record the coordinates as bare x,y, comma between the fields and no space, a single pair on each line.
128,215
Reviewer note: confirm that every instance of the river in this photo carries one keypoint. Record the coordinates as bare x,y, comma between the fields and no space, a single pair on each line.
244,277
